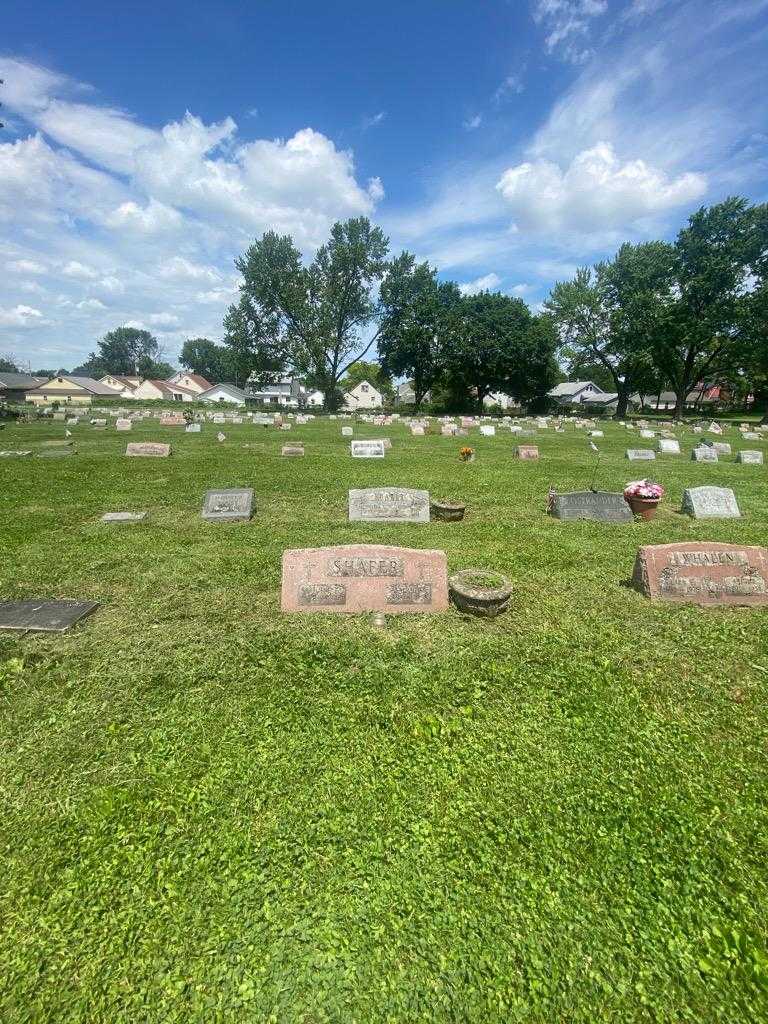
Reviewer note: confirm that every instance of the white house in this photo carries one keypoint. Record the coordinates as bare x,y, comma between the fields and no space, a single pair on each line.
120,384
405,395
161,389
364,396
68,389
225,393
315,399
498,398
193,382
573,392
286,391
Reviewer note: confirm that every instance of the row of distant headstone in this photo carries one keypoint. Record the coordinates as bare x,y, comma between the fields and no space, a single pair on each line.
381,578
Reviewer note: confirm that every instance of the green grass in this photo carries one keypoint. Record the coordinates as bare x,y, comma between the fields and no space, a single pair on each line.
214,813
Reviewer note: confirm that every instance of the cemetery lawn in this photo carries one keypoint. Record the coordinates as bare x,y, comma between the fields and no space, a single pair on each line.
216,813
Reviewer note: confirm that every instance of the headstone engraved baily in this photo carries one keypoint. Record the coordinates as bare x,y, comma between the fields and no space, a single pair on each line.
367,449
710,503
389,504
231,504
602,506
364,577
703,572
43,616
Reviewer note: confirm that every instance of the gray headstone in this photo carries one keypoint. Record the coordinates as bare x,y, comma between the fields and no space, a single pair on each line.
702,453
123,424
602,506
125,517
750,457
722,447
640,454
669,447
192,428
750,435
389,504
234,503
43,616
488,431
367,449
710,503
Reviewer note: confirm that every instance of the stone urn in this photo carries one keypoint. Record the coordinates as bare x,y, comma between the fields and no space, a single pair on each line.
645,508
447,510
480,592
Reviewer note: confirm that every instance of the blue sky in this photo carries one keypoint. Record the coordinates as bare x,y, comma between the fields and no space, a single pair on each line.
508,143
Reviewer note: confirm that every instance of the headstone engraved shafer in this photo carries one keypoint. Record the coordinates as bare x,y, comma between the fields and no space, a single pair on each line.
389,504
230,505
602,506
710,503
364,577
703,572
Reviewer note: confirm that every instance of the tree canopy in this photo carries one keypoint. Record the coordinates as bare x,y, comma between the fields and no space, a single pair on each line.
128,351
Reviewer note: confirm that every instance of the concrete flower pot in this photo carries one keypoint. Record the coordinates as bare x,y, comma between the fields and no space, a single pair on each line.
479,592
447,510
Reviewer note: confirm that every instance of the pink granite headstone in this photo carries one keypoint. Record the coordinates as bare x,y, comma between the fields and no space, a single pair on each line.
364,577
703,572
148,449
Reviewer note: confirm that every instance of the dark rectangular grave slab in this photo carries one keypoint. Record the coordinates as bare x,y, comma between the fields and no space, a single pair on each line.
601,506
229,505
389,505
43,616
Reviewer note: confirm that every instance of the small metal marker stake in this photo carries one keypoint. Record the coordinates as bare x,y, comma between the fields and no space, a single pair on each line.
379,619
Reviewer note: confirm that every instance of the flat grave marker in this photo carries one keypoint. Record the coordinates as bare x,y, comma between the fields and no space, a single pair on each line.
148,449
703,572
388,504
123,424
292,449
527,451
125,517
667,446
232,504
14,454
640,454
364,577
43,616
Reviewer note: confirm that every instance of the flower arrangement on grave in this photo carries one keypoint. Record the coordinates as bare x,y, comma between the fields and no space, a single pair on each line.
643,496
467,454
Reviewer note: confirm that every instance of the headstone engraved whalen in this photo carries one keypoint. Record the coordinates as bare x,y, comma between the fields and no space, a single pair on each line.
703,572
710,503
229,505
602,506
389,504
367,449
364,577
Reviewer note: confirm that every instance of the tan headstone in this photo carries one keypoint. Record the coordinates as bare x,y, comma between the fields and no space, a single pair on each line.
703,572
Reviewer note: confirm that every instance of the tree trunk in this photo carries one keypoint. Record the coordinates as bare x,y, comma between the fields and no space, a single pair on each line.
679,404
622,404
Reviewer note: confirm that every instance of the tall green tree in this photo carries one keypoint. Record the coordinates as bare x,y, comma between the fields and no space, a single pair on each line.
496,344
203,356
610,316
256,348
128,351
315,316
716,260
8,364
419,316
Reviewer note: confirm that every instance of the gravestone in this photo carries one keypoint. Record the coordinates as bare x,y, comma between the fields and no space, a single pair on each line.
647,433
640,454
56,444
125,517
193,428
55,453
527,451
219,418
123,424
14,454
347,431
148,450
710,503
667,446
367,449
595,433
722,448
229,505
602,506
703,572
750,458
488,431
750,435
286,426
389,504
702,453
172,421
715,428
417,431
59,417
98,423
73,421
292,449
364,577
43,616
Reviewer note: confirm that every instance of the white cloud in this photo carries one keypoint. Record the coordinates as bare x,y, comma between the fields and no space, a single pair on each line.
487,283
567,24
91,304
511,86
180,269
375,189
596,192
25,267
76,269
471,123
371,122
21,316
164,320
